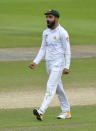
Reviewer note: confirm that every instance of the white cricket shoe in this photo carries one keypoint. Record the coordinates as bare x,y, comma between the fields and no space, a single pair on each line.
64,115
38,114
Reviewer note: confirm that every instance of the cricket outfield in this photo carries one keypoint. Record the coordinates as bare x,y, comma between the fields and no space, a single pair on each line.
24,88
22,21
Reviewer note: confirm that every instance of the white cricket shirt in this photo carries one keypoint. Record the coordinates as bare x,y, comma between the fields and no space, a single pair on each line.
55,46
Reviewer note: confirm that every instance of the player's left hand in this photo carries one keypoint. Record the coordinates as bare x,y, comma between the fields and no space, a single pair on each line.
65,71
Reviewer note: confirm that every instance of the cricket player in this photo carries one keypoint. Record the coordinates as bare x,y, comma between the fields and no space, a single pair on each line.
55,48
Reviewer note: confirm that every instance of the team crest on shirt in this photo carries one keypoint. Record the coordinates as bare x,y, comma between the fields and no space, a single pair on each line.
54,37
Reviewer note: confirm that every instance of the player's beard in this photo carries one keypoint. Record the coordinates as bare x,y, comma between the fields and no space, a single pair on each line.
50,24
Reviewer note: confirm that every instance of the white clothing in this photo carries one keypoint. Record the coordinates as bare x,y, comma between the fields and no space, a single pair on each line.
55,46
54,85
56,50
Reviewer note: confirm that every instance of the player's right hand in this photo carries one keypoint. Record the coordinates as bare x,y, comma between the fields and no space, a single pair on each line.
32,65
65,71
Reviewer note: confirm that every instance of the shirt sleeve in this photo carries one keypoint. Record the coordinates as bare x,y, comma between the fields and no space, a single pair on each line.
41,52
67,51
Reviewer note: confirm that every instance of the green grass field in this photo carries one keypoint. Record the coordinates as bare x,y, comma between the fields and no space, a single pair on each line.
16,76
22,21
83,118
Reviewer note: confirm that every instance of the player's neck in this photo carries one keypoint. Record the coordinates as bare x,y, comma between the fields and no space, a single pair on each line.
55,26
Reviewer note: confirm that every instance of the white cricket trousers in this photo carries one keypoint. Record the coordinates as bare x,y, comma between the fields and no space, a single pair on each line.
54,85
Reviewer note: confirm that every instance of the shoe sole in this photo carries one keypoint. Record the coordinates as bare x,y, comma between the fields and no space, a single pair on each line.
38,116
64,118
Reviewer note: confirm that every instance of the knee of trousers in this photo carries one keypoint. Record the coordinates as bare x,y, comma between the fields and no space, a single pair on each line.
51,88
51,85
60,91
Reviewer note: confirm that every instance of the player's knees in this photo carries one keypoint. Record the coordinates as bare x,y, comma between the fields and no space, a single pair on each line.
51,84
51,89
49,94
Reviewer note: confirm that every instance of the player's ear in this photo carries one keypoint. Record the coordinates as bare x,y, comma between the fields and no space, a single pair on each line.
56,19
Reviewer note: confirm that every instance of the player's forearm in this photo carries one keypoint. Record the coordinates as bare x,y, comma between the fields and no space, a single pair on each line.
67,55
39,56
67,61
